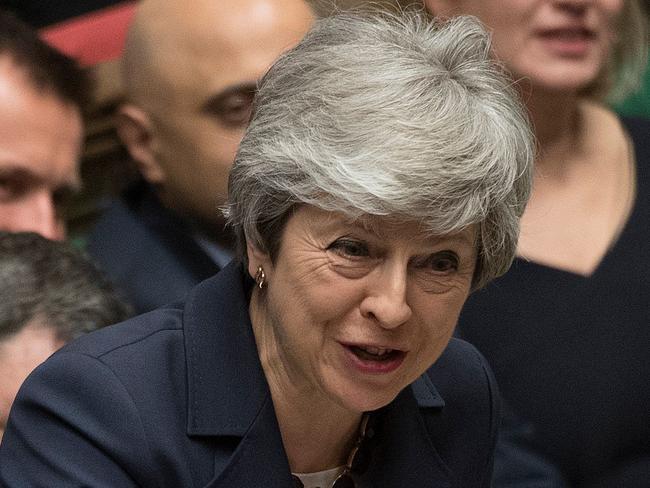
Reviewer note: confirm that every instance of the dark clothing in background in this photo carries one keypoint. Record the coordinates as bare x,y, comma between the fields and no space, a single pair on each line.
147,251
572,353
517,463
178,398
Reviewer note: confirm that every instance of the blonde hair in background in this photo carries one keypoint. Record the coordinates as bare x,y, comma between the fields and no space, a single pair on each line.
628,59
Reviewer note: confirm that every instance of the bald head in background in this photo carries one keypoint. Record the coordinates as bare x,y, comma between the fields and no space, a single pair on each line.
324,8
190,70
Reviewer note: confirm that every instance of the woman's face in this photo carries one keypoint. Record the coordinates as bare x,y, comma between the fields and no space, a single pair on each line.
559,45
354,312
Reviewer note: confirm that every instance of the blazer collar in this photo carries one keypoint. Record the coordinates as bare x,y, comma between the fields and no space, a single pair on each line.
226,384
259,459
426,394
401,438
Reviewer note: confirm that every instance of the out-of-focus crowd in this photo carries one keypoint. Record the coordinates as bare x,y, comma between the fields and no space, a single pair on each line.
565,330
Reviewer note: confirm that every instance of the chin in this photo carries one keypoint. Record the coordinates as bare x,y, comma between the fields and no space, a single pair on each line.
564,80
359,399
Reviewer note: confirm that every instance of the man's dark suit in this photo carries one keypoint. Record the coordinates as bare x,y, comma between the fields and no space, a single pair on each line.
148,252
177,398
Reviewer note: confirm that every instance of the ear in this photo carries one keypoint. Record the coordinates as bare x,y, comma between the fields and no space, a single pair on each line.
256,258
438,8
136,132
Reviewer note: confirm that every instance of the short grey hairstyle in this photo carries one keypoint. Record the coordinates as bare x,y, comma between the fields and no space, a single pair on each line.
388,115
55,284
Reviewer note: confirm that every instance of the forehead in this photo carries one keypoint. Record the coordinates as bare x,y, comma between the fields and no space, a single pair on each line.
38,132
19,355
215,47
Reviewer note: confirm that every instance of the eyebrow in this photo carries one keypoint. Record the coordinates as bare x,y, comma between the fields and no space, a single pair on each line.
16,172
31,178
215,103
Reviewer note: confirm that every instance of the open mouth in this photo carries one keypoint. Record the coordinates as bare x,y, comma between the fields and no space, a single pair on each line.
374,360
376,353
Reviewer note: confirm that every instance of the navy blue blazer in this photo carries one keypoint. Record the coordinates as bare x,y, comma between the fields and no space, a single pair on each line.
147,251
178,398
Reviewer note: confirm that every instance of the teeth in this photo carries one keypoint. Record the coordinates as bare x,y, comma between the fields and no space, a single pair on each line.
376,351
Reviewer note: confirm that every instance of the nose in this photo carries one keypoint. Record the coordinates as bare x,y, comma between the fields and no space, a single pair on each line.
575,7
386,301
41,216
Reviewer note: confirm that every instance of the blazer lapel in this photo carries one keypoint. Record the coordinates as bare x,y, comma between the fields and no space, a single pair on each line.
259,459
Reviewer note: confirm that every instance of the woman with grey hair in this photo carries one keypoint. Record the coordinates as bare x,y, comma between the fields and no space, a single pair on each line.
382,178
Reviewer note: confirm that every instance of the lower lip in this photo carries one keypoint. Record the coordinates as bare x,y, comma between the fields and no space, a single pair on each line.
568,46
374,367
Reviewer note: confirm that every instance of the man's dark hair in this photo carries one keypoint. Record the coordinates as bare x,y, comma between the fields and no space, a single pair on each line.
49,69
55,284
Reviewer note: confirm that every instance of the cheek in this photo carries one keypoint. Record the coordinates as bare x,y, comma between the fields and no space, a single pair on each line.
439,314
220,146
307,303
6,216
175,145
215,147
314,299
435,339
509,30
612,8
8,390
612,13
299,320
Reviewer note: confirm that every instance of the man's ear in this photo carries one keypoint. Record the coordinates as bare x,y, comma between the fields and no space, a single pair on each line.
438,8
136,132
257,257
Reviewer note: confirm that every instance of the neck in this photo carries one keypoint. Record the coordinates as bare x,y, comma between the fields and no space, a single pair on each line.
319,441
213,229
317,433
556,119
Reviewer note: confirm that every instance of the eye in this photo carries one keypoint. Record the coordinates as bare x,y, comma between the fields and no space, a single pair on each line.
12,188
233,106
349,248
236,111
442,262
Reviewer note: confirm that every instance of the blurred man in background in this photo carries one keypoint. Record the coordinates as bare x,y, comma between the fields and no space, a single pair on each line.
49,295
190,72
42,96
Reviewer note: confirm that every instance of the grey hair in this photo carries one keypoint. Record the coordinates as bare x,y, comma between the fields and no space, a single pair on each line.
388,115
55,284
